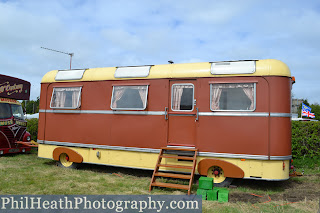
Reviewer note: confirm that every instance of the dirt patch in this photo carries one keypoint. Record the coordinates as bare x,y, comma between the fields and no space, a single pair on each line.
293,190
244,197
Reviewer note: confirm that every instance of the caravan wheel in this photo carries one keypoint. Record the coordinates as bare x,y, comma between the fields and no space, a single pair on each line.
219,180
65,163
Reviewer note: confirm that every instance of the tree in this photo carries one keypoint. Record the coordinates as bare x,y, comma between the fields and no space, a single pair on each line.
32,106
315,108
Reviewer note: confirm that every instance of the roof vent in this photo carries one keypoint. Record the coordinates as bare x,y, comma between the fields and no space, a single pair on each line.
132,72
234,67
64,75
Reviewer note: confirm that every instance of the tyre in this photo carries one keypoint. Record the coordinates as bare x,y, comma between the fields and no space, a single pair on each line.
65,163
219,180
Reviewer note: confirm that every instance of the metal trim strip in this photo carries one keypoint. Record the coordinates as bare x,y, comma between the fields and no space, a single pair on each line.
148,150
104,112
275,114
243,114
253,178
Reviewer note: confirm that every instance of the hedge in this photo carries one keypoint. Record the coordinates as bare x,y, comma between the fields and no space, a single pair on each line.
32,128
305,137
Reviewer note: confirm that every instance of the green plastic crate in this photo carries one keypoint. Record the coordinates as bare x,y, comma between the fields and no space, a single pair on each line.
203,193
223,195
205,183
213,194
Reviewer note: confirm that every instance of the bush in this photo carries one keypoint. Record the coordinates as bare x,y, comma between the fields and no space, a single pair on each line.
32,128
305,139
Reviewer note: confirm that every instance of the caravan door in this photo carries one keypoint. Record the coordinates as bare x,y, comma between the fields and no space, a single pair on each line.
182,113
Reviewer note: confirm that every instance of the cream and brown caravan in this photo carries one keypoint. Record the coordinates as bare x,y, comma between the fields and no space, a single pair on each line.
234,116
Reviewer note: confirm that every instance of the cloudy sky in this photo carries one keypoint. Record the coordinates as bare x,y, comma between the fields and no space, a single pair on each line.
119,33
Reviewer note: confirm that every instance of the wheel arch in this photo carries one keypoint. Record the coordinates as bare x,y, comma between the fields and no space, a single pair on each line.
73,155
229,169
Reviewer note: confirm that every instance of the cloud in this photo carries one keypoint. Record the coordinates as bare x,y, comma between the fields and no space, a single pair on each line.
118,33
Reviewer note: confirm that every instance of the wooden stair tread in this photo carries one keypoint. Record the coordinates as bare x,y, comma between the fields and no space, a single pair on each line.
177,157
170,185
175,166
173,175
175,153
179,149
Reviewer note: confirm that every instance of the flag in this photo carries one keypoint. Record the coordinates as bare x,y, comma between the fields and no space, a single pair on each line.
306,111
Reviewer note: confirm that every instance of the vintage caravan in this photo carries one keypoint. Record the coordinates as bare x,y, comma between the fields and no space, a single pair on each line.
14,137
235,116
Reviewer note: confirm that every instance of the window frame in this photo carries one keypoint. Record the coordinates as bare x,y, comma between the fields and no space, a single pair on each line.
78,101
188,84
254,96
130,85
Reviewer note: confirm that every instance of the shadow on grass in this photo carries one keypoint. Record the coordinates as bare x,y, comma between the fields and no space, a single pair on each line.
275,186
117,170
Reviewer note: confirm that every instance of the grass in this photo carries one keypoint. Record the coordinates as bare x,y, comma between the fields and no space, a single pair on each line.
28,174
307,165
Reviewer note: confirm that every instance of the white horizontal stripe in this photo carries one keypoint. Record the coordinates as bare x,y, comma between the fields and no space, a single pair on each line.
123,112
110,112
244,114
149,150
287,115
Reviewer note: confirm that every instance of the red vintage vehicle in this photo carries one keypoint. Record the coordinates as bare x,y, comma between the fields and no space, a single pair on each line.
14,137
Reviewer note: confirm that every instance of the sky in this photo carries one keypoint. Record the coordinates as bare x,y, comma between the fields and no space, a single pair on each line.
110,33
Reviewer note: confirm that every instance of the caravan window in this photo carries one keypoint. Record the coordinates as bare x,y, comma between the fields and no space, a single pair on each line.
66,98
182,96
232,97
129,97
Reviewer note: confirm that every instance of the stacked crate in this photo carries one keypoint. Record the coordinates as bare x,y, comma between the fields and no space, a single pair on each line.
208,192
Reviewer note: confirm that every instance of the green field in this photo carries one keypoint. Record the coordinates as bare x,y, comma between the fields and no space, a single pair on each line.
28,174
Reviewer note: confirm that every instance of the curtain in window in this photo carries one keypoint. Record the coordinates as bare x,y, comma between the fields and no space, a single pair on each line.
117,94
177,91
249,91
143,94
216,90
76,98
59,98
215,97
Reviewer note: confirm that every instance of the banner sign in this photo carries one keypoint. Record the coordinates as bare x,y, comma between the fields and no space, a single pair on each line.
14,88
100,203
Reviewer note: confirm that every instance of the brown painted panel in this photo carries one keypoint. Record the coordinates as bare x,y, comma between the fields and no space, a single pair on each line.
237,135
79,128
182,130
138,131
73,155
280,136
42,105
280,94
229,169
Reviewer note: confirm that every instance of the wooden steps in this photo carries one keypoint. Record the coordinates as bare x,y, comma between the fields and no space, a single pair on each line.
183,154
171,185
171,175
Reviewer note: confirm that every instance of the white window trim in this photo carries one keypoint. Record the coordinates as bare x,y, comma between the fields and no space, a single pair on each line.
188,84
145,104
254,95
78,102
